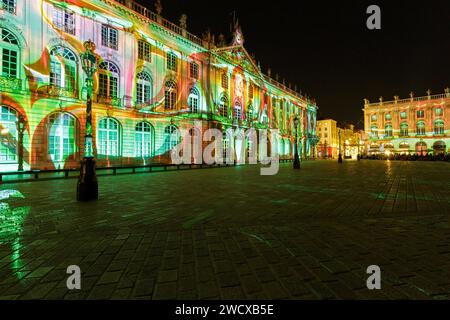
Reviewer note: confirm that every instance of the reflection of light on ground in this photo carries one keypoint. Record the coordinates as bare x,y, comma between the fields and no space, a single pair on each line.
11,223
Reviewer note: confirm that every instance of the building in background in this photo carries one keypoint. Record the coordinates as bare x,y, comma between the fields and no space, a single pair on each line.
153,78
352,140
418,125
328,139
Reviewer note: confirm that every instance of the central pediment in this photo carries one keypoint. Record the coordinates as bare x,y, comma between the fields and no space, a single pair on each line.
239,56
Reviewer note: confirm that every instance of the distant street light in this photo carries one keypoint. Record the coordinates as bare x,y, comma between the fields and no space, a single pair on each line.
296,158
87,188
340,153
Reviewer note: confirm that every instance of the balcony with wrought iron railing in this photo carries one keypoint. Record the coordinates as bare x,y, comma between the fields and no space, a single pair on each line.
8,84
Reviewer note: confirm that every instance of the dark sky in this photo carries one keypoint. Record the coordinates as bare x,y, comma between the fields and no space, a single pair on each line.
326,49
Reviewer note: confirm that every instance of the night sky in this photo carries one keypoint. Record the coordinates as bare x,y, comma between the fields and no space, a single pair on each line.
326,49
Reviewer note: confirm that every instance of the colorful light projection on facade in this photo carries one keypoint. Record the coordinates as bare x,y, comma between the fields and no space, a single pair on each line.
153,77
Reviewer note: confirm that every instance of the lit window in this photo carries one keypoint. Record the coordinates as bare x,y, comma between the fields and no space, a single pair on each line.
420,130
171,138
223,106
374,131
8,5
439,127
237,111
388,131
250,113
193,101
143,88
374,117
63,68
143,137
108,80
9,136
420,114
172,61
61,138
388,116
438,112
225,81
9,54
110,37
144,51
404,130
403,115
64,20
170,95
193,70
108,135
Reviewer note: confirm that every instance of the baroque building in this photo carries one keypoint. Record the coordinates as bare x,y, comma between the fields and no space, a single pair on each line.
417,125
153,77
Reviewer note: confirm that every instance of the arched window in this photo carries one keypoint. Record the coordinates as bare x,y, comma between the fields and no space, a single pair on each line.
404,146
170,95
63,68
388,130
420,130
109,75
223,106
237,110
9,54
171,137
143,88
439,127
404,129
62,136
9,136
143,140
194,101
108,137
421,148
225,146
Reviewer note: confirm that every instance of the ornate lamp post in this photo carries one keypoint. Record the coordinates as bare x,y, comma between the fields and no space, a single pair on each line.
21,125
340,153
296,158
87,188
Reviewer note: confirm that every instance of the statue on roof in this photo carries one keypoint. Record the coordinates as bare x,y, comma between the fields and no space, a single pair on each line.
183,21
238,37
158,7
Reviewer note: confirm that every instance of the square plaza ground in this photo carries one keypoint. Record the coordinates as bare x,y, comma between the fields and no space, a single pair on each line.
230,233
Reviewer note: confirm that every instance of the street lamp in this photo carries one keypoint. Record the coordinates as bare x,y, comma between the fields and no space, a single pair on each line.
296,158
21,125
87,188
340,154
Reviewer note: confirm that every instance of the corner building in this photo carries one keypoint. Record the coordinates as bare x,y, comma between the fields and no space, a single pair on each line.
153,77
417,125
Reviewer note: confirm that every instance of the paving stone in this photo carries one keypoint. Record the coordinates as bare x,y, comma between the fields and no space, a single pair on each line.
305,236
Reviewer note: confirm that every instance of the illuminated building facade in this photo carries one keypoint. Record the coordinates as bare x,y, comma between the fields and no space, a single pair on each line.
352,140
328,139
418,125
153,77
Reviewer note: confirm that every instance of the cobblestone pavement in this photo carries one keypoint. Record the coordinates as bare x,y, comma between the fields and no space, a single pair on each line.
233,234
